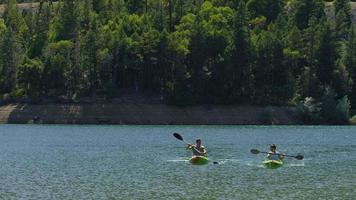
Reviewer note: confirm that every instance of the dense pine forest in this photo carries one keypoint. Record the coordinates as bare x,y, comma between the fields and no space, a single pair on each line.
189,52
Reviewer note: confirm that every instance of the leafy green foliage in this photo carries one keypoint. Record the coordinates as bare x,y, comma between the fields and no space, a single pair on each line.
310,110
59,68
334,111
343,110
29,74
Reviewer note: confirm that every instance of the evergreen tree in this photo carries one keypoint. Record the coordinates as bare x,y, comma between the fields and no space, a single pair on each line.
66,23
305,10
197,60
3,30
326,56
242,77
9,59
15,21
267,8
343,19
293,50
89,61
149,49
40,30
274,84
350,61
307,80
344,7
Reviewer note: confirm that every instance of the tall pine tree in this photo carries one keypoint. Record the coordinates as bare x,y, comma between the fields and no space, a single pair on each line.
242,77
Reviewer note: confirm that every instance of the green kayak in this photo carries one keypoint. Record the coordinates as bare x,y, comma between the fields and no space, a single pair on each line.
199,160
273,164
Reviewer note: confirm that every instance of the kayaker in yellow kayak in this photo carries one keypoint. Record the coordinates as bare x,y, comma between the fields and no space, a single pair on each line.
198,149
273,154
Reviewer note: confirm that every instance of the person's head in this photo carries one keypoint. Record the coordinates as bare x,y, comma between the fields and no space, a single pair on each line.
273,147
198,142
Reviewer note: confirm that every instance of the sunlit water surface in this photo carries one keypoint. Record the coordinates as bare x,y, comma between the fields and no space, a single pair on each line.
147,162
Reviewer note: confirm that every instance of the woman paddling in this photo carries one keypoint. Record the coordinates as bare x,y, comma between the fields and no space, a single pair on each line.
273,154
198,149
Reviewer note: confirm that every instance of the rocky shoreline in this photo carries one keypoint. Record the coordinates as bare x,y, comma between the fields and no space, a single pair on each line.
146,114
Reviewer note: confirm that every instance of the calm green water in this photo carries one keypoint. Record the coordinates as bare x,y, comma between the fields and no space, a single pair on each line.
146,162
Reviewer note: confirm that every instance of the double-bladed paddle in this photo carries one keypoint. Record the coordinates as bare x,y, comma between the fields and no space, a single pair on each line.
179,137
298,157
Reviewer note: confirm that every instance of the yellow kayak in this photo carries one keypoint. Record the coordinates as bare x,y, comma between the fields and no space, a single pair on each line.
273,164
199,160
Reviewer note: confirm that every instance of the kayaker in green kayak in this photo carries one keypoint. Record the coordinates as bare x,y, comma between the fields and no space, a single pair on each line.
273,154
198,149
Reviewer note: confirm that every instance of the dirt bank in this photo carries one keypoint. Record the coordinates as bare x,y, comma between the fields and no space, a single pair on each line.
147,114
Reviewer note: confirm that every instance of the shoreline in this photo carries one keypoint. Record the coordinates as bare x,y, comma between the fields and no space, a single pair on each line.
147,114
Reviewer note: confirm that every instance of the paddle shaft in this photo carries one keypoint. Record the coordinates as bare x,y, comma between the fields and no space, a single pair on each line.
279,154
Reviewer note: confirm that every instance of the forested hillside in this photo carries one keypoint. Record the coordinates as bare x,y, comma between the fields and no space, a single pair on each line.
261,52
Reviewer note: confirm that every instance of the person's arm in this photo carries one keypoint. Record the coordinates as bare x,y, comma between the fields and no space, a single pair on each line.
189,146
204,151
281,157
269,155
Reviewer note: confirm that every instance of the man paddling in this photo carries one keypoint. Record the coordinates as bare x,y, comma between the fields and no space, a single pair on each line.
198,149
273,154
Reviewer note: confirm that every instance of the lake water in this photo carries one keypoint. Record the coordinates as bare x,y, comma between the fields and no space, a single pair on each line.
147,162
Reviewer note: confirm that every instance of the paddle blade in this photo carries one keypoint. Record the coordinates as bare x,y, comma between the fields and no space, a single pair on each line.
299,157
255,151
178,136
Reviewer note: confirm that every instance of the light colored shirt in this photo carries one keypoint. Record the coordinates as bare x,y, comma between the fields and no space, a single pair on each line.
200,151
273,156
